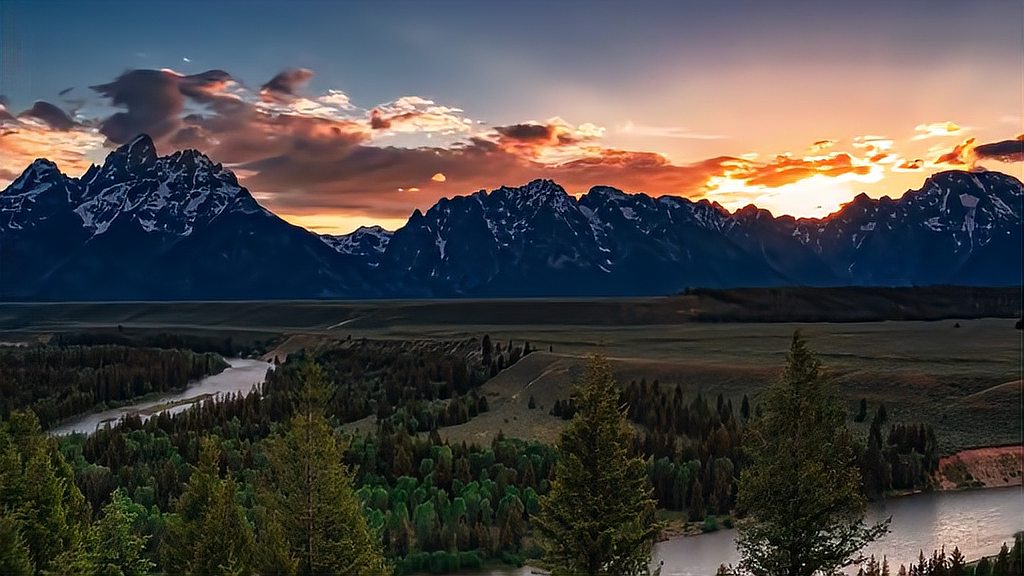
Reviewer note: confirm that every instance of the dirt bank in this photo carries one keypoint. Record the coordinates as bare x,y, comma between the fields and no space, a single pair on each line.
982,468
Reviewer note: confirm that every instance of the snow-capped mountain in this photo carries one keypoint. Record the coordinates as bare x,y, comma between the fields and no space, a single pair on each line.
959,228
141,226
181,227
368,242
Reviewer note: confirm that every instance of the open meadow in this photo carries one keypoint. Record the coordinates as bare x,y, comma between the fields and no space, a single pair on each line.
960,375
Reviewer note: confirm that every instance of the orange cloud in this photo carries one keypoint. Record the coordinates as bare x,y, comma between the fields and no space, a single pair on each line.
822,145
21,143
961,155
786,169
909,165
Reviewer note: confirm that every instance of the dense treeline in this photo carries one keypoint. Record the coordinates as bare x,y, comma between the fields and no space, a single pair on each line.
1008,562
904,459
696,456
227,346
57,382
694,447
444,506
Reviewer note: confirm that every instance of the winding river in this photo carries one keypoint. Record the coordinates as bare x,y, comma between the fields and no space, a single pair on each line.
977,521
240,376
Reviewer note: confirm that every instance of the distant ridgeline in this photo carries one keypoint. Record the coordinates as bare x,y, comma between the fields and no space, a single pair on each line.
143,227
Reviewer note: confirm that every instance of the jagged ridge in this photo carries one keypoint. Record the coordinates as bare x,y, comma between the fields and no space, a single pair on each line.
181,226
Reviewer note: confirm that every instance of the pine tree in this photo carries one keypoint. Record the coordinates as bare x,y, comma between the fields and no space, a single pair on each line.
1016,567
802,488
115,547
957,563
312,492
984,567
1001,567
14,554
208,534
862,412
598,517
37,488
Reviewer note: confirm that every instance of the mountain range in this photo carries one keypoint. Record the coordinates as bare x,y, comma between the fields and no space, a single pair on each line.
181,227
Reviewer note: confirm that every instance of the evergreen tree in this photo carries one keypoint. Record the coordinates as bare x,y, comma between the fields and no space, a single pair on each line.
14,554
957,563
802,488
273,556
208,534
486,350
46,512
598,517
312,491
1001,567
862,412
984,567
114,544
1016,566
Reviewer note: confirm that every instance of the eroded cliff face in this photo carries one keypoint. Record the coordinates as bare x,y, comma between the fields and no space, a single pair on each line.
982,468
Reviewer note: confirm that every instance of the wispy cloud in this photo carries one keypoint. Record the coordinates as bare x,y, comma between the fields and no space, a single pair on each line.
937,130
632,129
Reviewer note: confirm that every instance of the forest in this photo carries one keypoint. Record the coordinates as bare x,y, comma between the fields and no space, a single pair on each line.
60,381
430,505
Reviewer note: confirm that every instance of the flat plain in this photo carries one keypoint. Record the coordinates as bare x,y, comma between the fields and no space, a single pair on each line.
961,374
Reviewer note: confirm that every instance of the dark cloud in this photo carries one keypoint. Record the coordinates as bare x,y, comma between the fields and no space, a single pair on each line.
378,121
153,103
154,100
283,87
65,91
53,116
526,132
1004,151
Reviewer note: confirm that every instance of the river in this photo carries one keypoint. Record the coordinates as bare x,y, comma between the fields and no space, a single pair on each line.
978,521
240,376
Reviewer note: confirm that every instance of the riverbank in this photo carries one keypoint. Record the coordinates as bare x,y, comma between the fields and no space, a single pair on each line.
986,467
241,376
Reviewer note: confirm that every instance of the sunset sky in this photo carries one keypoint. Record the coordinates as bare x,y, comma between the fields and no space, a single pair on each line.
338,114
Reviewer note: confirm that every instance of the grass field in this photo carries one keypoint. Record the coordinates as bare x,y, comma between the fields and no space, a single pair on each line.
964,380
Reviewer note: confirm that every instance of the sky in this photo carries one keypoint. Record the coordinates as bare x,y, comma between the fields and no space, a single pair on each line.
341,114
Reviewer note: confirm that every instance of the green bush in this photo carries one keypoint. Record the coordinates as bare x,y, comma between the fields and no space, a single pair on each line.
710,523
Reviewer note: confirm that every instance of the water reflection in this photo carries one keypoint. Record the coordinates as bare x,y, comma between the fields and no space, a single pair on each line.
977,521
